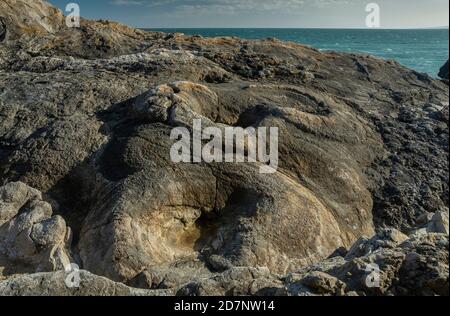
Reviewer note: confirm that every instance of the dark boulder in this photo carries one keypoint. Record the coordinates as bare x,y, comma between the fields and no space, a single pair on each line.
2,31
443,73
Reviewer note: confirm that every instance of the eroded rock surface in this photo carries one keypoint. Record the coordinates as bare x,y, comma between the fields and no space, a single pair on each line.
2,30
53,284
86,115
31,238
416,266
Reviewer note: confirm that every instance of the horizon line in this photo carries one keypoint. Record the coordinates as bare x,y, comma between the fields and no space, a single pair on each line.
295,28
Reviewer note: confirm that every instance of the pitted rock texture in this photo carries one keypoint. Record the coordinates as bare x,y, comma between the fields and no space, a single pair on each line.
86,116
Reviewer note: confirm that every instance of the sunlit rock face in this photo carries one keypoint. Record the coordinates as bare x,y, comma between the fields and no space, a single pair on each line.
30,18
86,116
31,238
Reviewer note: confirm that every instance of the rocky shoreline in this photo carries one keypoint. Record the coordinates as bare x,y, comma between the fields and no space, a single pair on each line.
86,176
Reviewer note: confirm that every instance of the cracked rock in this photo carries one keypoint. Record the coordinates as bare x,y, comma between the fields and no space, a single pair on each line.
31,238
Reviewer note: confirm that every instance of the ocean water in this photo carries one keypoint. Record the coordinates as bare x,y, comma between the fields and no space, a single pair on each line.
423,50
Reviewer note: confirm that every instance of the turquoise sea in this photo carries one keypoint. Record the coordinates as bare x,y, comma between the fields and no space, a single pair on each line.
422,50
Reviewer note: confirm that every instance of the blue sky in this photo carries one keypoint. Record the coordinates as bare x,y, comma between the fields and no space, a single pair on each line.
264,13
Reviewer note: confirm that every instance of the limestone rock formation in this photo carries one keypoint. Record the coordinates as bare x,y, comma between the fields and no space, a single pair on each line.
31,239
86,116
22,22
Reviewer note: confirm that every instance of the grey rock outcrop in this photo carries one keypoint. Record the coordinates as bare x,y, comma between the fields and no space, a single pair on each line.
387,238
211,209
443,72
234,282
312,284
439,223
27,20
416,266
86,116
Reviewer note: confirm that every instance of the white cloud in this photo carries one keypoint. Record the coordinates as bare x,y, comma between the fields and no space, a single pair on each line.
201,7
